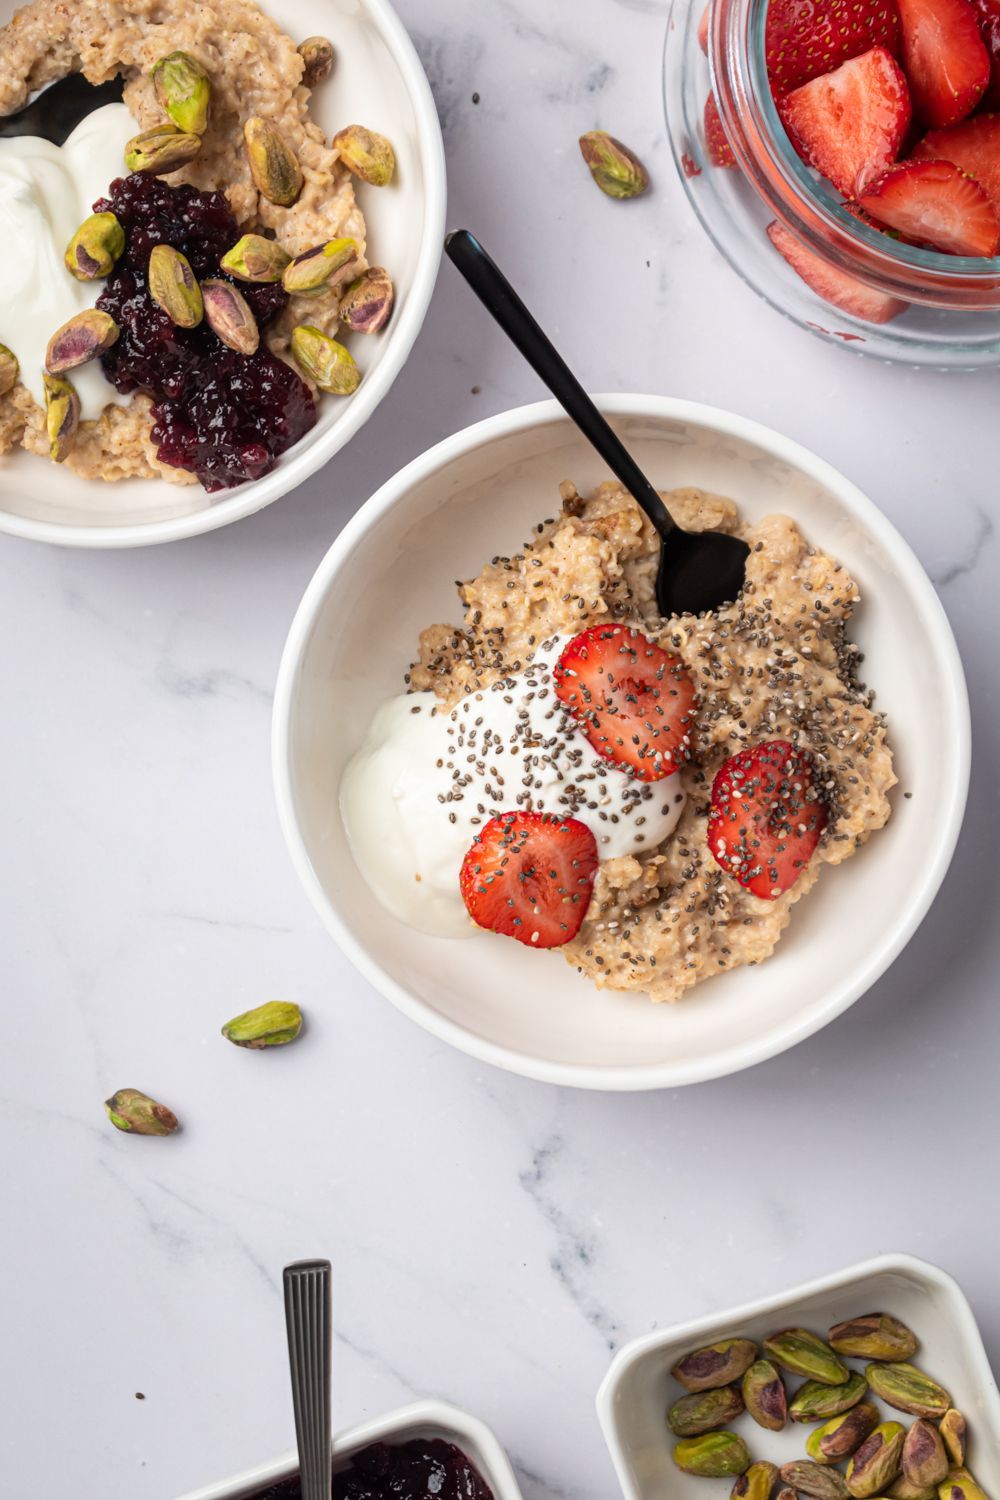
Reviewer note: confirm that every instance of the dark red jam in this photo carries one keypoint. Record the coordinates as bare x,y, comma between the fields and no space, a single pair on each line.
224,416
422,1469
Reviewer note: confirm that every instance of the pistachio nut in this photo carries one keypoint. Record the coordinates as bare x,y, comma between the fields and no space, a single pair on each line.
716,1455
161,150
230,316
173,287
925,1461
816,1480
875,1336
9,368
366,153
876,1463
131,1110
617,171
756,1483
270,1025
62,415
273,164
951,1427
79,340
764,1395
908,1389
321,269
316,53
816,1402
786,1493
95,247
255,258
838,1439
326,363
960,1485
902,1489
800,1351
185,91
366,305
704,1411
715,1364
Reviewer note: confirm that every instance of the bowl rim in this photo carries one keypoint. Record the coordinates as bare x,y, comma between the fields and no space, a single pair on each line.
306,458
700,1330
951,809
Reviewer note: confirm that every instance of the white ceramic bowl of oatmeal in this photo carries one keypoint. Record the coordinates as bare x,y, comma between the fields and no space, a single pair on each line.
377,80
391,573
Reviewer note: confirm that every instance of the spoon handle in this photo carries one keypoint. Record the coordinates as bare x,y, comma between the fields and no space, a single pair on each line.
500,299
307,1319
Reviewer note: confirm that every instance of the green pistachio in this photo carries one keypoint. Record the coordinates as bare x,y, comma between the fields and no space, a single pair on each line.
816,1402
62,415
185,91
875,1336
952,1429
815,1480
756,1483
327,363
908,1389
876,1463
925,1462
317,57
617,171
9,368
366,305
800,1351
255,258
714,1456
230,316
838,1439
321,269
714,1365
704,1411
79,340
366,153
173,287
764,1395
960,1485
136,1112
273,164
95,247
902,1489
270,1025
161,150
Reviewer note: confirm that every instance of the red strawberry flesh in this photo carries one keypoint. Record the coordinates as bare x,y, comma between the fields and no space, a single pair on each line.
765,818
974,147
944,58
934,203
831,283
530,876
851,123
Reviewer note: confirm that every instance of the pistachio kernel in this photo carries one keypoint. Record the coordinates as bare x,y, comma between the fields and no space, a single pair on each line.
317,59
617,171
271,1025
255,258
366,153
273,164
93,250
9,368
327,363
62,416
230,316
366,305
321,269
79,340
173,287
133,1111
185,91
162,150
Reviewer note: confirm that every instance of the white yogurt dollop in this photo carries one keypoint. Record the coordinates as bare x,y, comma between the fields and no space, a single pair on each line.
46,192
425,782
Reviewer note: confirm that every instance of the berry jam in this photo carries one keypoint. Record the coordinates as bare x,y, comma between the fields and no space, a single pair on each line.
422,1469
224,416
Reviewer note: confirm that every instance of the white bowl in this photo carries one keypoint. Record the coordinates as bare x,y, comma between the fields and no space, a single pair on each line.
424,1419
378,79
391,572
638,1388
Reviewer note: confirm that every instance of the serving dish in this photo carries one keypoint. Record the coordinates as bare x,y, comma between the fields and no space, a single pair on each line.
392,571
377,72
638,1387
435,1419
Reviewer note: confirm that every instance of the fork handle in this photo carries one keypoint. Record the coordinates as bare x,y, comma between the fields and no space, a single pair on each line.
308,1322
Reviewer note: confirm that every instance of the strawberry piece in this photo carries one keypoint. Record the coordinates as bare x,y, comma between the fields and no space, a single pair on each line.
935,204
974,147
720,152
529,876
988,17
633,701
831,283
850,123
803,39
765,818
703,28
944,57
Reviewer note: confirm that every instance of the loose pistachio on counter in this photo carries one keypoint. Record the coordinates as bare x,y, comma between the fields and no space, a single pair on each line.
273,1024
366,153
184,89
133,1111
617,171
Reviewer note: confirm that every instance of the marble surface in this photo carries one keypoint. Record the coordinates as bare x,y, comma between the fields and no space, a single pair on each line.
494,1240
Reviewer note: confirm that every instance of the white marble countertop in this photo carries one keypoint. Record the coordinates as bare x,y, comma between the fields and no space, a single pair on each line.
493,1240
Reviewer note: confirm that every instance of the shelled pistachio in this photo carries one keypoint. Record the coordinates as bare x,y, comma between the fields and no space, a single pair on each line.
715,1364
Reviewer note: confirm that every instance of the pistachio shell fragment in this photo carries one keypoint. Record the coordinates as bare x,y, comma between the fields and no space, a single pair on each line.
173,287
131,1110
321,269
925,1462
273,164
908,1389
327,363
960,1485
62,415
9,368
256,258
95,247
815,1480
704,1411
184,89
764,1395
79,340
230,316
839,1438
273,1024
715,1364
875,1336
714,1456
816,1402
757,1483
803,1353
952,1429
317,56
366,153
617,171
876,1463
161,150
367,303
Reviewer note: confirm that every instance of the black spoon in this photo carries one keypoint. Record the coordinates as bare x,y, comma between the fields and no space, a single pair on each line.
698,570
57,111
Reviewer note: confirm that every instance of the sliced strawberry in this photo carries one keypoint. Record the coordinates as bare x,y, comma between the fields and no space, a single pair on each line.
988,16
720,152
634,702
703,28
529,876
803,39
944,57
765,818
850,123
934,203
974,147
831,283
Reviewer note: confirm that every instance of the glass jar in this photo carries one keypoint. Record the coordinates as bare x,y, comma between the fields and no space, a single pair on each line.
952,314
